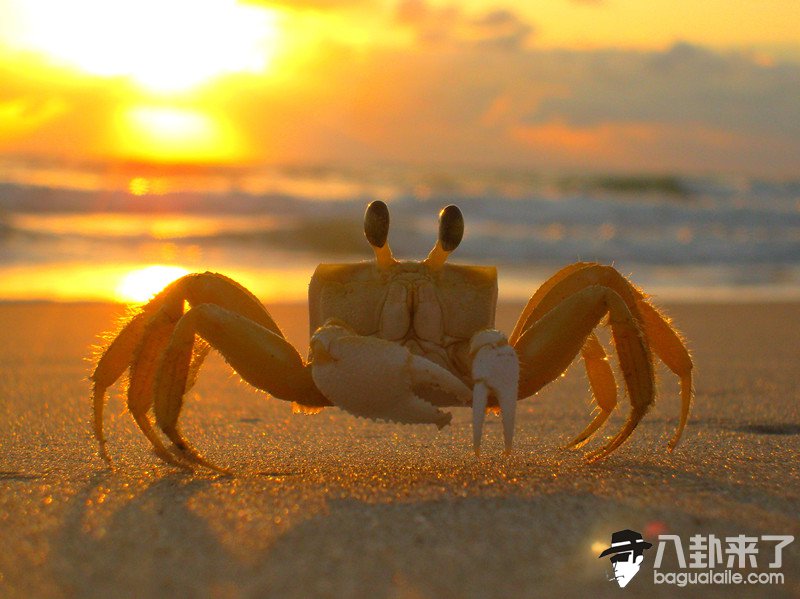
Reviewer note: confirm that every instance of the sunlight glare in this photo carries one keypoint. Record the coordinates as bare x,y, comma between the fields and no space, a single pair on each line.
140,285
139,186
598,547
175,134
164,47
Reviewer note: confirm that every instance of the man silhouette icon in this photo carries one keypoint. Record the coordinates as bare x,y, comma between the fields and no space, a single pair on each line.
627,553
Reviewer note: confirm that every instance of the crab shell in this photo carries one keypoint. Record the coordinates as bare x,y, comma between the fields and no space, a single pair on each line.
434,312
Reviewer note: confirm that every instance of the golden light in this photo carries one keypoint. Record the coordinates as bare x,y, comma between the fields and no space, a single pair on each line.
598,547
139,186
175,134
140,285
164,46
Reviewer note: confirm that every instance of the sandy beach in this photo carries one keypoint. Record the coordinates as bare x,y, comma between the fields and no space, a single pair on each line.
335,506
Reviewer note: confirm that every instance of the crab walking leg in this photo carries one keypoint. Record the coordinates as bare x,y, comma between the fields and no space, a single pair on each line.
548,347
544,289
598,370
670,348
142,377
495,371
374,378
127,349
604,387
660,334
570,281
114,361
262,358
201,351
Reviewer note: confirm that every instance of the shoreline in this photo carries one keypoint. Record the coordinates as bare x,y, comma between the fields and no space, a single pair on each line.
518,293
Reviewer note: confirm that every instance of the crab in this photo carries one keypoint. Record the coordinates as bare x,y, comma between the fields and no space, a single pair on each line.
398,341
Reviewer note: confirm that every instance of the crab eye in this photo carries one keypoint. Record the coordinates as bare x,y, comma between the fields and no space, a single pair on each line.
451,227
376,224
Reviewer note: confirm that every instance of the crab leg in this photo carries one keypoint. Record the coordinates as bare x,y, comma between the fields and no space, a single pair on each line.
524,321
573,279
670,348
115,360
548,347
604,387
660,334
261,357
140,387
598,370
139,345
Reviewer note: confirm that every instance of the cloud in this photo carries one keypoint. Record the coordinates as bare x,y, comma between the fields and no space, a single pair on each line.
639,145
469,89
502,29
499,29
681,85
685,108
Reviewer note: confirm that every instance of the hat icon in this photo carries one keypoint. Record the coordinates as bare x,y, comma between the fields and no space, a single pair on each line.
626,540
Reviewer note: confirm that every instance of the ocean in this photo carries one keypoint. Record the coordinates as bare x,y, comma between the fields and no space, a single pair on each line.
75,233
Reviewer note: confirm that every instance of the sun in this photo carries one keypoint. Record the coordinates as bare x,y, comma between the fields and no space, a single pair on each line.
169,133
163,46
138,286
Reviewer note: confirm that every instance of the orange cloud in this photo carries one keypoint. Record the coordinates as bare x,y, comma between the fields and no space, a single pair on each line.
597,139
416,81
642,145
499,29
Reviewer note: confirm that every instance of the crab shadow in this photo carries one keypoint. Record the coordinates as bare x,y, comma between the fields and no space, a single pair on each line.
152,545
156,544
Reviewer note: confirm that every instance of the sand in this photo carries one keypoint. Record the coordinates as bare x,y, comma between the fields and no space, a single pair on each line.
334,506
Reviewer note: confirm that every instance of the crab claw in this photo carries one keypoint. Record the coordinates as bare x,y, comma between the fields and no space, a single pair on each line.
495,372
378,379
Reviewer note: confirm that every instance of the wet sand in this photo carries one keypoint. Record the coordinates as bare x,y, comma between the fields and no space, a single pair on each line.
335,506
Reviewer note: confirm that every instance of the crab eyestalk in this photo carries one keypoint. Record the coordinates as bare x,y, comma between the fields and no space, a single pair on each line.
376,228
451,231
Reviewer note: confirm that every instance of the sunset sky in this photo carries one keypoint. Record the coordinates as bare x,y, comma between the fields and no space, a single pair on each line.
622,85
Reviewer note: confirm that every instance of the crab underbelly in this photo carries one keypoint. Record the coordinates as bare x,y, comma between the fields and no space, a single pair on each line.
412,316
451,355
431,351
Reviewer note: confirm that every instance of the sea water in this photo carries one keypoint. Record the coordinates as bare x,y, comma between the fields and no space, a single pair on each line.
74,232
